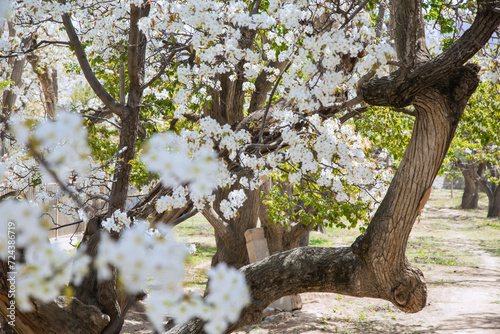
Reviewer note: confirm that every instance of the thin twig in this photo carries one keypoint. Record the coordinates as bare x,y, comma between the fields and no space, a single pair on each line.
112,158
102,119
35,47
65,225
349,19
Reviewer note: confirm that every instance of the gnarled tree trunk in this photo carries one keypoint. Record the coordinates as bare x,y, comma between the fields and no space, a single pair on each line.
494,204
376,265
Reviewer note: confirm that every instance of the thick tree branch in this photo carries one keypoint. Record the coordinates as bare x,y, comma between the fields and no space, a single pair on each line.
375,265
217,223
133,48
409,31
57,317
337,107
314,269
94,83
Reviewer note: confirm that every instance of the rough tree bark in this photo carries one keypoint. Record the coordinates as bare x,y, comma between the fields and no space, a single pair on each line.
494,204
9,97
226,107
57,317
375,265
470,197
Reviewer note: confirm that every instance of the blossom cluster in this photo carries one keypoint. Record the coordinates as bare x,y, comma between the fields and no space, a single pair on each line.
139,254
227,296
62,143
333,155
117,222
46,269
45,148
176,200
177,162
313,77
234,201
189,159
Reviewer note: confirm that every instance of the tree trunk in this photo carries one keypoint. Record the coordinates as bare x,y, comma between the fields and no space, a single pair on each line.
375,265
105,294
230,234
494,204
470,197
493,192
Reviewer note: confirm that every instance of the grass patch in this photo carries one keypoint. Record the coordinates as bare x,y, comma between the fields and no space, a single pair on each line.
199,232
491,246
494,223
431,250
318,240
197,265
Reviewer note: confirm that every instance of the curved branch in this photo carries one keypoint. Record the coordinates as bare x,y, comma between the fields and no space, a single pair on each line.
120,110
336,107
314,269
213,218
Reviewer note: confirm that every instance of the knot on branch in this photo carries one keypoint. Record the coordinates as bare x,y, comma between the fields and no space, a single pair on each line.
410,294
463,82
89,313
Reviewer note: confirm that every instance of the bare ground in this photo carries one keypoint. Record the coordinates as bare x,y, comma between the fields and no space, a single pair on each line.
459,253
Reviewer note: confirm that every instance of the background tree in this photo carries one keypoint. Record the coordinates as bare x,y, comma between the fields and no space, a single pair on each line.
476,149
